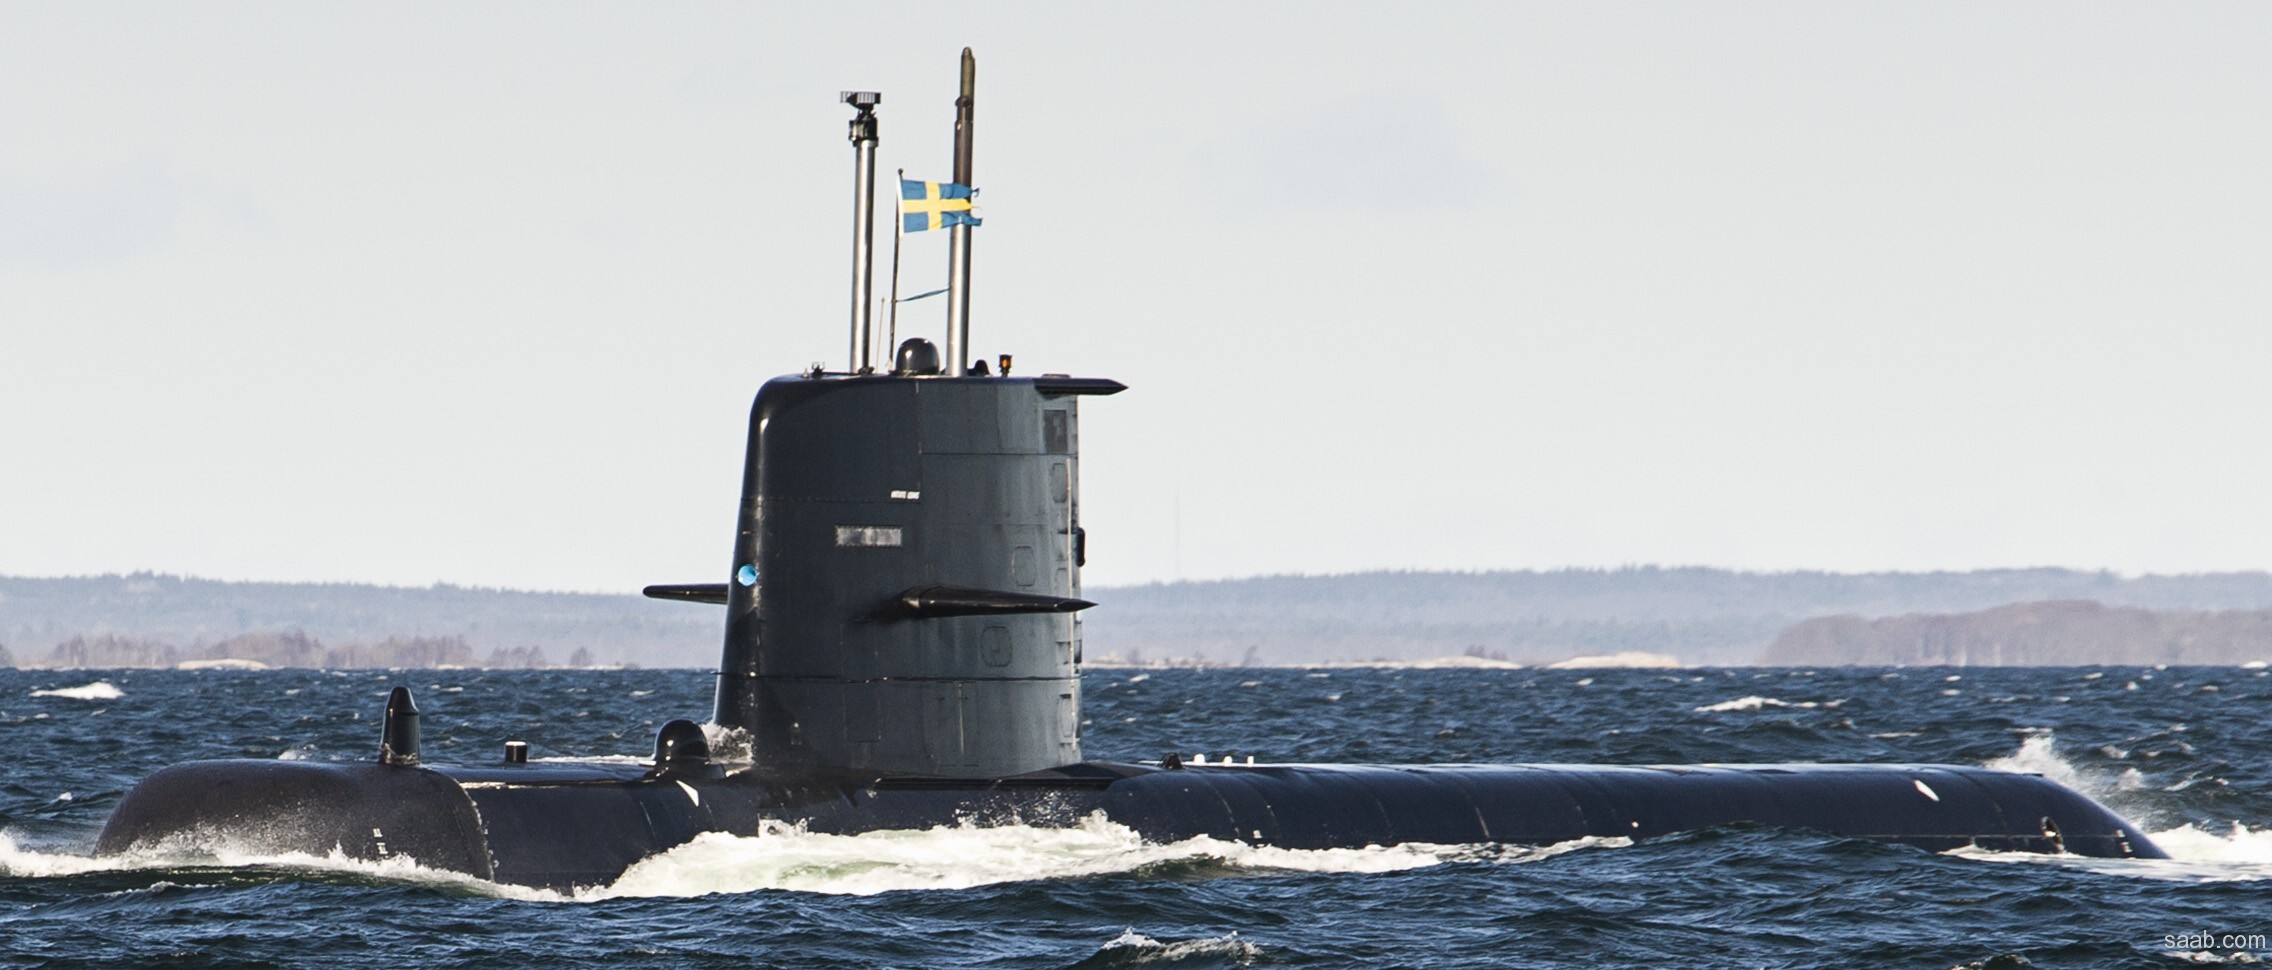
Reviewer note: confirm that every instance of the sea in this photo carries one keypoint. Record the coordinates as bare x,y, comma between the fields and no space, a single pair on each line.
2184,752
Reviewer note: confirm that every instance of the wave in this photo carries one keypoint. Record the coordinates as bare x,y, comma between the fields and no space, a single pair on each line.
1757,703
19,861
785,857
2038,754
101,690
2196,854
1133,949
966,856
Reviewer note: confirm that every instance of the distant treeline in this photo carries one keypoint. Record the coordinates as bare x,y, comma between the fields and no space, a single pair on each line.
198,614
291,648
1702,616
2032,635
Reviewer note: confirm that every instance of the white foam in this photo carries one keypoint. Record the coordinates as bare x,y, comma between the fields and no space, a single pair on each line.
2039,755
2239,844
1756,703
783,857
964,856
728,745
101,690
2239,853
1144,949
17,861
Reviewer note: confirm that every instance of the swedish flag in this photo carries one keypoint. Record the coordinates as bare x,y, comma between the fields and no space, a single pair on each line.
933,205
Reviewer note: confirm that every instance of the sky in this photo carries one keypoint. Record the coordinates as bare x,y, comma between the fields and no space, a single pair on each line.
479,294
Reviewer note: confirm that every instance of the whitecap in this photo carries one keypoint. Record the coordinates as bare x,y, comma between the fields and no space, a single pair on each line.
728,745
1753,703
2196,854
785,857
2039,755
101,690
18,861
2238,844
1144,949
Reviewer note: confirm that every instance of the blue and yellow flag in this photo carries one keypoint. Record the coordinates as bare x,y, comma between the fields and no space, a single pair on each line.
933,205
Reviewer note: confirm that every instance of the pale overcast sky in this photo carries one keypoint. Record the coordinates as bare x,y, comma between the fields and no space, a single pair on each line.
408,293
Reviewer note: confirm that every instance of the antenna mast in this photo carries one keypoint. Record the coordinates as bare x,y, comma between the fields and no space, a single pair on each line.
958,240
863,137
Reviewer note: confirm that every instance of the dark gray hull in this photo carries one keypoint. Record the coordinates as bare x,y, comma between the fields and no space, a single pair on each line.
561,825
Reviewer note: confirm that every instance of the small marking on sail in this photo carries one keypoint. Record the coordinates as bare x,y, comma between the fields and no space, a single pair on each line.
868,535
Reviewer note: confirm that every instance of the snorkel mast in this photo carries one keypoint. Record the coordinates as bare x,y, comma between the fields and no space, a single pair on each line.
958,238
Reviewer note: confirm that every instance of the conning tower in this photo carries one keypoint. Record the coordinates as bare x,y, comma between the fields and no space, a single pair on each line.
906,570
908,551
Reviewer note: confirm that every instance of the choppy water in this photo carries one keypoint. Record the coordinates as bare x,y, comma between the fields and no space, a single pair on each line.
2182,751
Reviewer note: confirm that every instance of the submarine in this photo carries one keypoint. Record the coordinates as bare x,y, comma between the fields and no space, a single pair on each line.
902,649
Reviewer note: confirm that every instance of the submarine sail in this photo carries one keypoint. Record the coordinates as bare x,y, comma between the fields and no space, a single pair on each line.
902,649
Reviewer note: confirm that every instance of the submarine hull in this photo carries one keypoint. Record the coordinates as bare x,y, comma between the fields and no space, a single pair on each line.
565,825
902,649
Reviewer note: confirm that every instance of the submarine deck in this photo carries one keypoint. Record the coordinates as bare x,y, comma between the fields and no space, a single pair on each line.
573,823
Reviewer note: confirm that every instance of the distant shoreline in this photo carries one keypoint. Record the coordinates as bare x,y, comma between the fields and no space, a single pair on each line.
1690,616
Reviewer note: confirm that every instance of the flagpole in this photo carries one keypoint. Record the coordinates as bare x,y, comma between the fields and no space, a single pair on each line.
898,232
